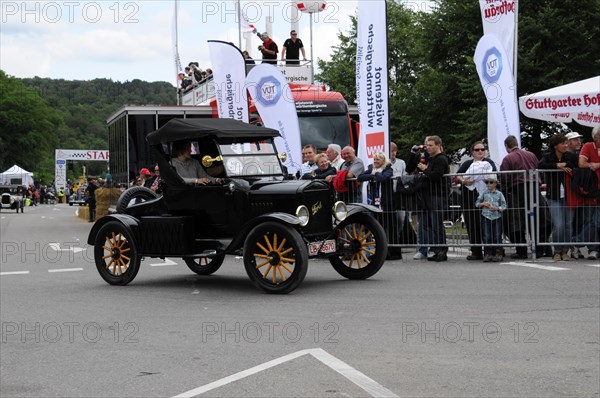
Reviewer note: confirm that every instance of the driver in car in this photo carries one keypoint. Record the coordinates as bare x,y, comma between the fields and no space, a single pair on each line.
190,169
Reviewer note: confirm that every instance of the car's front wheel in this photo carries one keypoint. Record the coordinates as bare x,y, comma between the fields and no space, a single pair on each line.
362,247
275,257
116,254
205,265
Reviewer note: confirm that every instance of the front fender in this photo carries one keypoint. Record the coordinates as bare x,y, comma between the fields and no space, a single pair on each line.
129,222
355,208
283,218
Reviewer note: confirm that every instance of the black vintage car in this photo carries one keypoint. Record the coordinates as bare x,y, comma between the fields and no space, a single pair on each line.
275,224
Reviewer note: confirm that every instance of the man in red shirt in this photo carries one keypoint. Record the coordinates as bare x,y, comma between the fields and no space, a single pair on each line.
268,49
589,158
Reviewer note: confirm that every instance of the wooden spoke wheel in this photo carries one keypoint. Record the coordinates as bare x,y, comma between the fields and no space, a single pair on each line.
205,265
275,257
362,247
116,254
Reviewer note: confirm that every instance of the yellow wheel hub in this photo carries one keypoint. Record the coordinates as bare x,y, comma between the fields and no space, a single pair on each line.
117,262
275,256
361,245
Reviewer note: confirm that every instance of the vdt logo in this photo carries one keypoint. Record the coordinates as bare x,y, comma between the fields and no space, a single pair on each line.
268,91
492,65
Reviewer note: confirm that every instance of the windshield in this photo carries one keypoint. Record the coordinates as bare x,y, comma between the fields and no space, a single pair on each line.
324,130
250,159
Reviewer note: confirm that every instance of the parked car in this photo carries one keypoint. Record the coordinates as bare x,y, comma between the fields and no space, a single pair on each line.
12,197
78,197
276,225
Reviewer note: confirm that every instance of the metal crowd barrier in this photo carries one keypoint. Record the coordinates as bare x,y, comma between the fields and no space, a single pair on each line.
527,222
565,221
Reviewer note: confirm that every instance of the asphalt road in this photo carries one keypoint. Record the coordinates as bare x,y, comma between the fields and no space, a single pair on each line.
418,329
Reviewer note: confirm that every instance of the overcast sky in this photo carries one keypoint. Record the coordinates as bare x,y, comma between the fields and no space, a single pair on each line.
125,40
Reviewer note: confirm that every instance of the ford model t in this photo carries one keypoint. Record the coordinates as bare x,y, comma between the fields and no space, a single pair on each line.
251,210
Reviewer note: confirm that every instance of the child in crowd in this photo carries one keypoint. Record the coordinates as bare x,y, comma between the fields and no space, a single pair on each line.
493,204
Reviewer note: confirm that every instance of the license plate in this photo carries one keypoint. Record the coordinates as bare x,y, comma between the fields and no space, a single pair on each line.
325,247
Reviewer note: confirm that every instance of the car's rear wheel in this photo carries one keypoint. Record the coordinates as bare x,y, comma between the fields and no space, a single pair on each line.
275,257
141,193
115,253
205,265
362,246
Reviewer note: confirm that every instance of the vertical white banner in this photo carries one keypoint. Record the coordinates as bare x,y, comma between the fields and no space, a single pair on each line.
496,78
372,79
275,103
229,77
498,17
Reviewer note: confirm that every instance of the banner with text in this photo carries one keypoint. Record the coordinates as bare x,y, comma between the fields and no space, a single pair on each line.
497,81
275,104
62,155
372,79
577,101
229,76
499,17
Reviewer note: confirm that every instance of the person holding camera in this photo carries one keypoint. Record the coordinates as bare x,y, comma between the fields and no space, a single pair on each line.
437,189
268,49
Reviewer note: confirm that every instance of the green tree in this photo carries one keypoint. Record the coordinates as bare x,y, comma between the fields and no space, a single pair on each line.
559,43
29,129
80,109
434,87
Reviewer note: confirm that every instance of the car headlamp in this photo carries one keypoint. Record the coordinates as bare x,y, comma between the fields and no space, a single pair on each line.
340,212
303,214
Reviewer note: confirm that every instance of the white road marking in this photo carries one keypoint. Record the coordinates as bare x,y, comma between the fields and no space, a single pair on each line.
358,378
165,263
593,265
65,270
537,266
14,273
56,246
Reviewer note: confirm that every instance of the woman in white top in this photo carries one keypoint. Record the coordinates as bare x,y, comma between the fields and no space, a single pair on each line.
473,184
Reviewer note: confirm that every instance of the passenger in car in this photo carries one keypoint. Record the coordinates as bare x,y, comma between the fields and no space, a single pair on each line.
189,169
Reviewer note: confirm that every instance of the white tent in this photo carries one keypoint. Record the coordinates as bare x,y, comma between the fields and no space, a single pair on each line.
16,175
579,101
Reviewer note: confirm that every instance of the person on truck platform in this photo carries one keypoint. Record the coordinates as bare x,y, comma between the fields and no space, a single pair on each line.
292,48
268,49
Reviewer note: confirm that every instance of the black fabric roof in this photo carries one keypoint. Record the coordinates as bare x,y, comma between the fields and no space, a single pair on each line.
188,129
